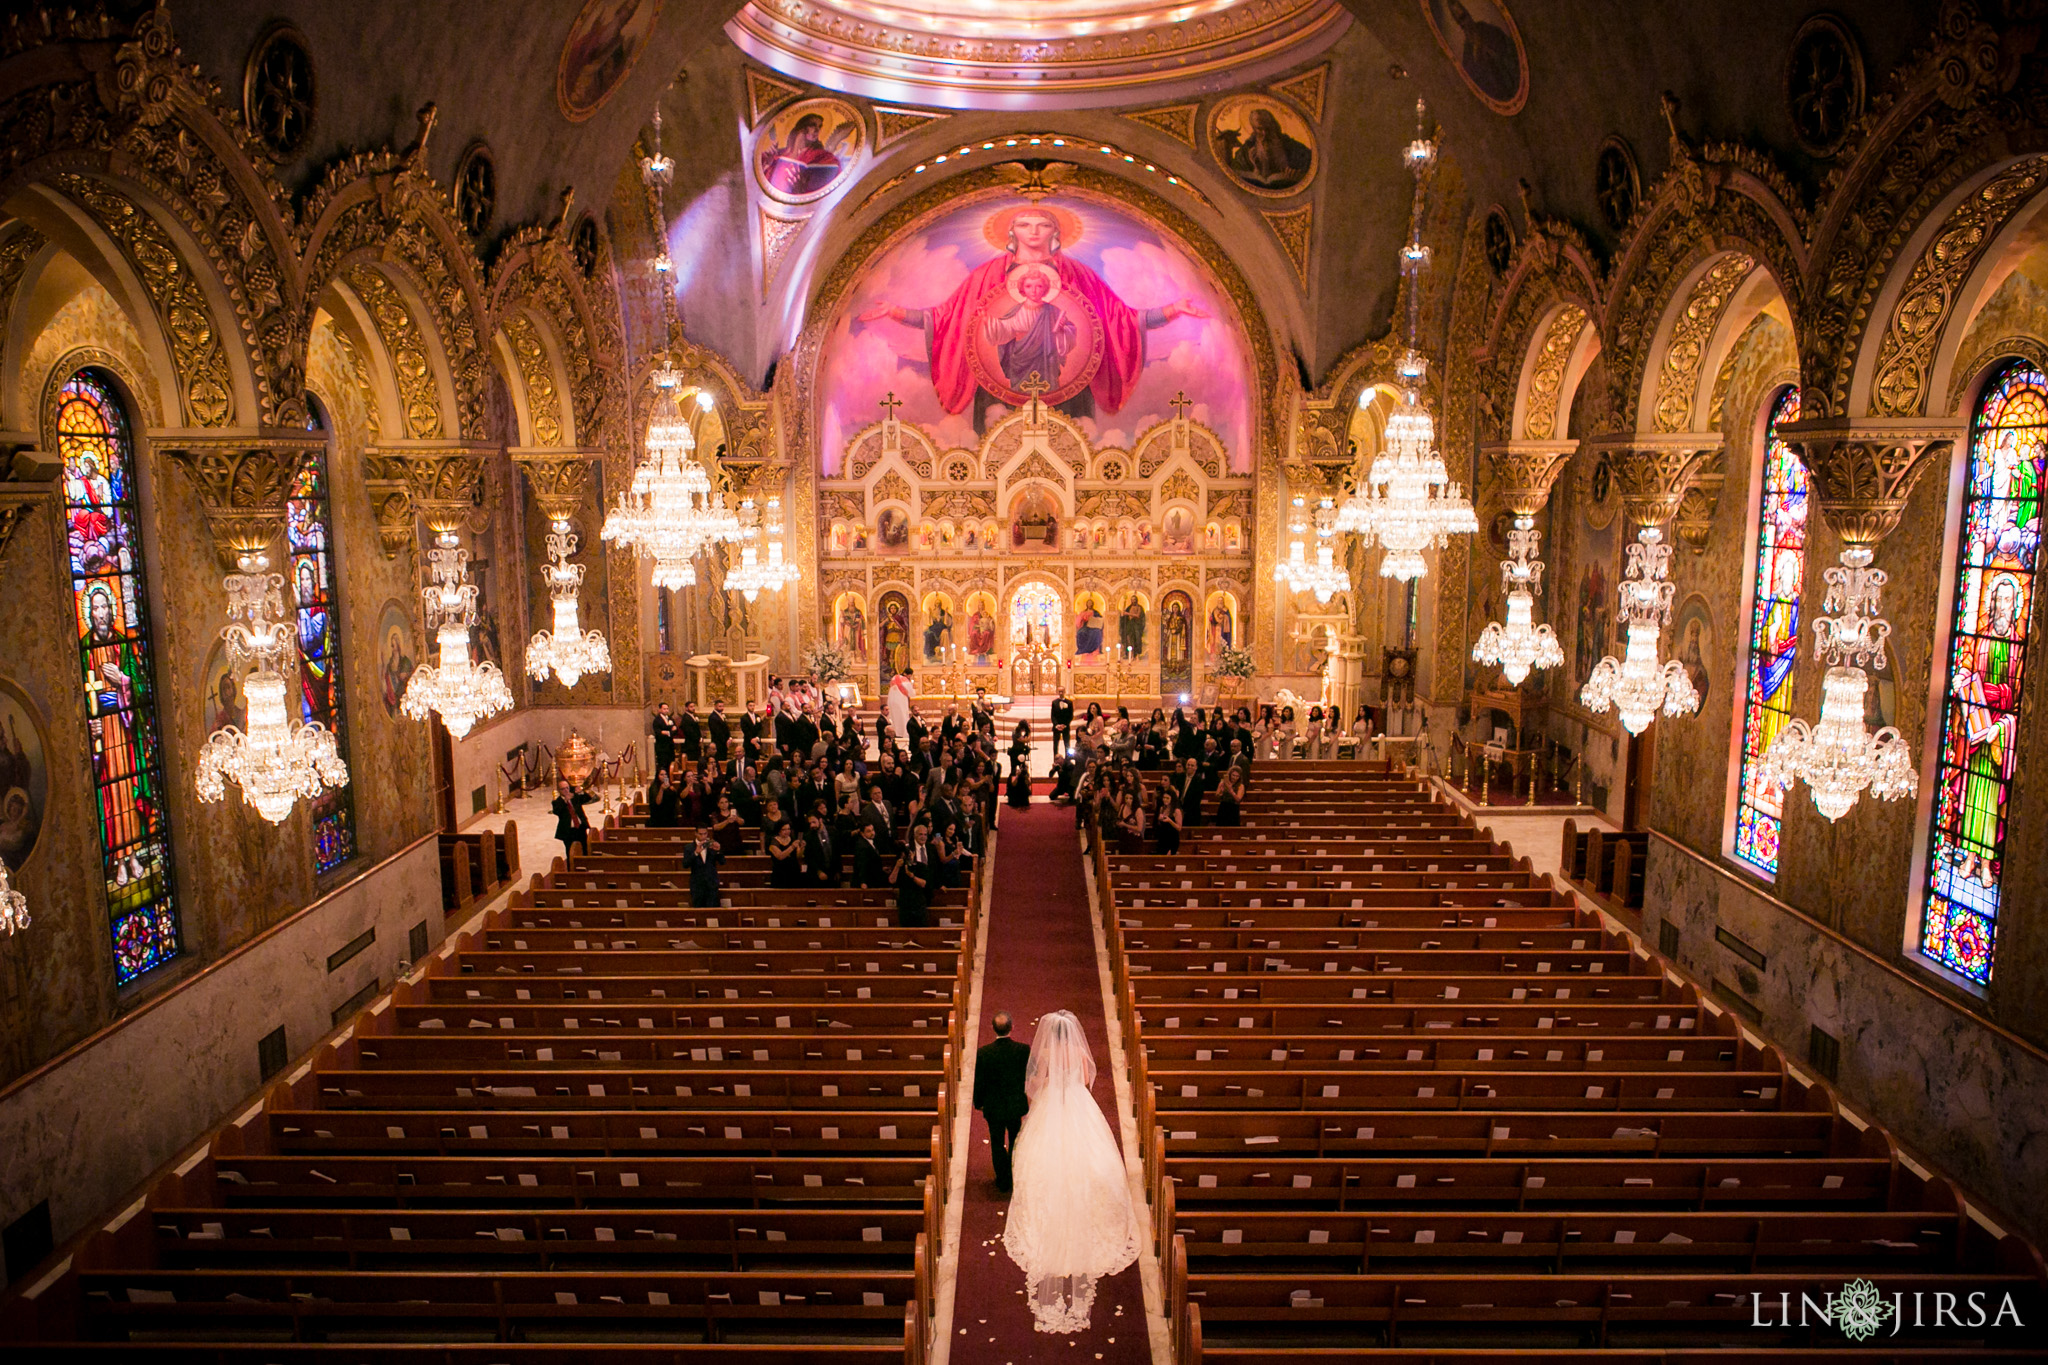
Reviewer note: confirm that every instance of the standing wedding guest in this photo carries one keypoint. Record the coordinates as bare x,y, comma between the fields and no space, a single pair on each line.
1062,723
785,857
1166,828
663,802
1188,792
869,860
821,852
913,875
702,860
690,731
572,826
1229,794
664,738
719,730
727,827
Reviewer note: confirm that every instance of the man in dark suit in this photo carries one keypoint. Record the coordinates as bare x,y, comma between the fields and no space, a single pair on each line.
572,826
1062,723
664,737
702,860
821,853
876,813
752,727
999,1094
745,794
720,730
913,876
690,730
870,867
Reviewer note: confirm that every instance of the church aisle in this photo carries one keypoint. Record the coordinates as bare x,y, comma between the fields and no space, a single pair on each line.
1041,958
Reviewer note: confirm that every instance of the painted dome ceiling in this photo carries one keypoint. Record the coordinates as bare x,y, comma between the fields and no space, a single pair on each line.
1044,54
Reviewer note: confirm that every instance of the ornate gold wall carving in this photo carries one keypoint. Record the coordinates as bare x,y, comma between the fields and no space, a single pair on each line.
1546,372
1678,379
419,396
543,404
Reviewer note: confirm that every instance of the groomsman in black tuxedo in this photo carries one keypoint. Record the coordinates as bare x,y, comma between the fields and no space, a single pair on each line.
690,730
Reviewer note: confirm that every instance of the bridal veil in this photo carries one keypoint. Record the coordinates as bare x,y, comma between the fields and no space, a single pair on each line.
1070,1221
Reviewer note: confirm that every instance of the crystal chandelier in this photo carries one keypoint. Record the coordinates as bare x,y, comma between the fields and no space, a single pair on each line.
751,577
1636,685
1520,644
1839,757
1323,576
1407,498
569,651
276,762
672,512
13,905
460,692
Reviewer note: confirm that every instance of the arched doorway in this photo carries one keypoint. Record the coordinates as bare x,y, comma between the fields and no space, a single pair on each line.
1037,621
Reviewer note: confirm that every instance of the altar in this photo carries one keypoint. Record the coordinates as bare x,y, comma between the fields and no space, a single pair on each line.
720,677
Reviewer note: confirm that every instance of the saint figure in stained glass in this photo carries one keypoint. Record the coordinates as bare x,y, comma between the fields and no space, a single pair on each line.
2001,530
115,676
1774,638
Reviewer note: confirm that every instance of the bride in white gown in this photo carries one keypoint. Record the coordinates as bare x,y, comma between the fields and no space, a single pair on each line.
1071,1221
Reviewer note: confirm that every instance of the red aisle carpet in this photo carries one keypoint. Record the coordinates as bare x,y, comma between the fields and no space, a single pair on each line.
1041,958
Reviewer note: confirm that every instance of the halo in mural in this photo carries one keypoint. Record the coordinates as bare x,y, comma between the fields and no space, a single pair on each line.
805,152
1265,147
959,310
1480,38
24,775
603,44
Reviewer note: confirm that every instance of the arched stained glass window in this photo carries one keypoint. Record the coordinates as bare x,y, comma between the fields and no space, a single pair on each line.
314,591
1773,638
1994,602
110,593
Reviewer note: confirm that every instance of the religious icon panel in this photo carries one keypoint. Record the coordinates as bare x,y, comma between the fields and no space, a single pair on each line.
2001,531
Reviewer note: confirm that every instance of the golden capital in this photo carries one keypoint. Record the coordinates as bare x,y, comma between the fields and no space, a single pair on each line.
1652,470
243,487
441,480
1526,470
1863,472
560,479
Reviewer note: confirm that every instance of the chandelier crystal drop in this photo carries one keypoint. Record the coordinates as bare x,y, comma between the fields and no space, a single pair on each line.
569,651
1638,685
1407,499
1520,644
13,905
274,762
1323,575
459,691
1839,757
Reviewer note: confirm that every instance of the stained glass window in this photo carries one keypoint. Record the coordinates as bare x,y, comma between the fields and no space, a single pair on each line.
110,598
1980,713
307,531
1773,638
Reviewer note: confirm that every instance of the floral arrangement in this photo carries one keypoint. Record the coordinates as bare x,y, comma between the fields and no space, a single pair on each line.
1234,663
826,662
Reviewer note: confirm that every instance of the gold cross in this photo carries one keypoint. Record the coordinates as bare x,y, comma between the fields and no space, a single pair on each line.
1181,403
891,402
1033,384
